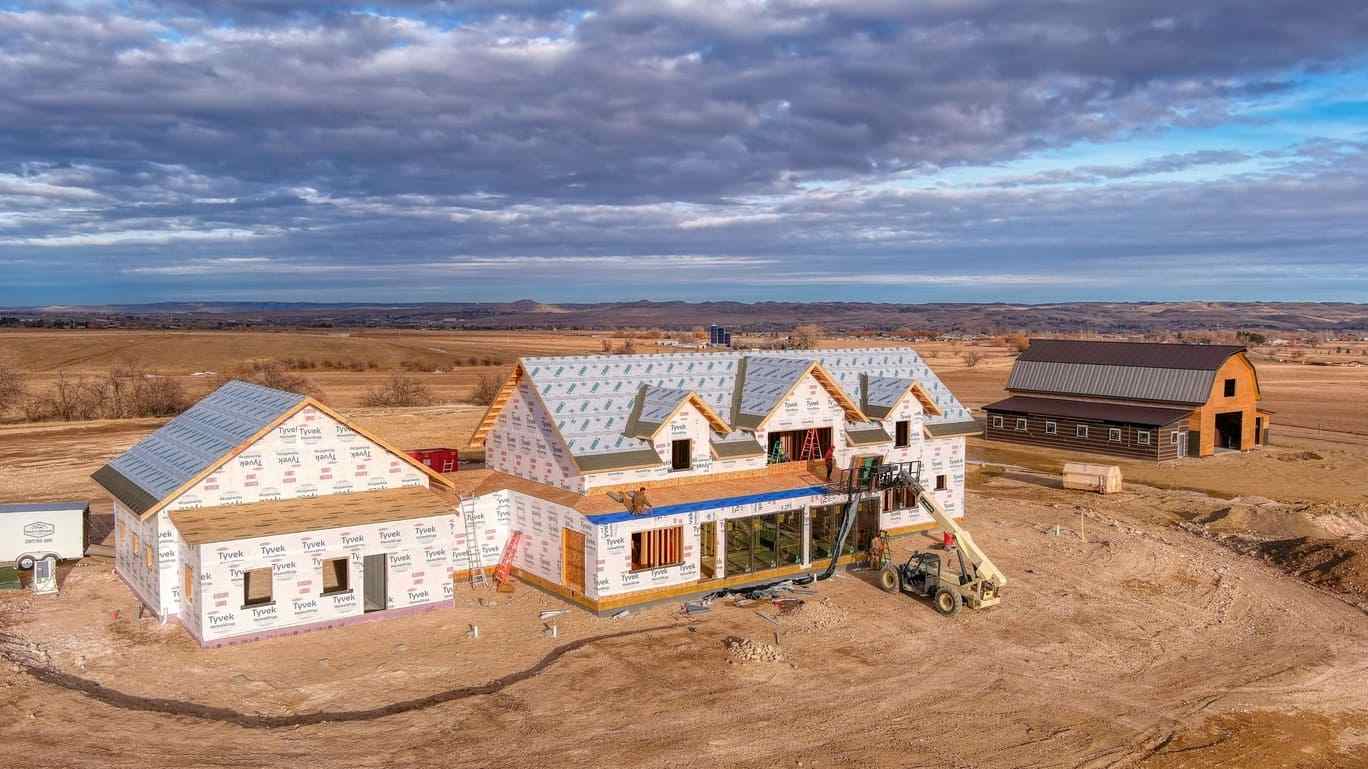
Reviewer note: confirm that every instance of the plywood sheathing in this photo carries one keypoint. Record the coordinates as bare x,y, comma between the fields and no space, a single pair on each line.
224,523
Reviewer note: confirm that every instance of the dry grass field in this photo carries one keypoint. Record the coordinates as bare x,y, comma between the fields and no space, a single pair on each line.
1211,615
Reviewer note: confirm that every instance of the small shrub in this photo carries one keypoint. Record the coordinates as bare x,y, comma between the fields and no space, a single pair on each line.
12,388
400,390
486,389
272,374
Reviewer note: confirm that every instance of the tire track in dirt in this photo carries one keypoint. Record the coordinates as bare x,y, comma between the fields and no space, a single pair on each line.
21,654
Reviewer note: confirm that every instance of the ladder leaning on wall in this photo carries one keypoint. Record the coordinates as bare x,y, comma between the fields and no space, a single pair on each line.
472,538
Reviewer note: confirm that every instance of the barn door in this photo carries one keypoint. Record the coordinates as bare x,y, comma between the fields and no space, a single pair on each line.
572,560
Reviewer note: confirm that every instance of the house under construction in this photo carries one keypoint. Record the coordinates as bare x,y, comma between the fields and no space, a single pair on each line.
612,481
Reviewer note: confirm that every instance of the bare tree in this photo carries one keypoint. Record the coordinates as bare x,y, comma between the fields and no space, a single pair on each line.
486,389
274,375
806,336
400,390
972,358
12,388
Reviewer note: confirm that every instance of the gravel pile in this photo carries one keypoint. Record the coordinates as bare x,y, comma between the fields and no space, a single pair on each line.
743,650
814,615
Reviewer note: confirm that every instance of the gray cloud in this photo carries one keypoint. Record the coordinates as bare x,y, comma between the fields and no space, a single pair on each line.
327,134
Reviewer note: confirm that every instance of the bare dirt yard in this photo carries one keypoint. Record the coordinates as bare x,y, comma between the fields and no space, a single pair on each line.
1123,640
1211,615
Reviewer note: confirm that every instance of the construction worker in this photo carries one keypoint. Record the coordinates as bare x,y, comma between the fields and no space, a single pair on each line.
829,458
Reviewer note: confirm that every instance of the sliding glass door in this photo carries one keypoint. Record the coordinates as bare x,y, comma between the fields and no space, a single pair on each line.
764,542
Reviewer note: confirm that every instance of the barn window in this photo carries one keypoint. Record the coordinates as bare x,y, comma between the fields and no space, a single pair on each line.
997,422
336,575
942,483
902,434
1081,431
256,587
1051,428
657,548
1021,425
187,584
1142,437
1230,388
680,452
1114,434
1173,437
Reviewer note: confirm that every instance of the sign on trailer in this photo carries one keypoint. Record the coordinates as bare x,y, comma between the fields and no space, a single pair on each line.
31,532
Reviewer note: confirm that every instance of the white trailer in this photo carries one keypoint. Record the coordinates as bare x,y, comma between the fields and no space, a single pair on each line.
32,531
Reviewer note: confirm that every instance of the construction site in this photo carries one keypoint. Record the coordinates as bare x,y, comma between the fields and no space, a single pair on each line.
733,544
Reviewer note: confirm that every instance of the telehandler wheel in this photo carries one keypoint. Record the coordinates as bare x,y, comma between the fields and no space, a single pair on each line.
947,601
889,579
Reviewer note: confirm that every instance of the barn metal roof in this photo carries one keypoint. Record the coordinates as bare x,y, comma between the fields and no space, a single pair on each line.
1190,386
1093,410
1200,357
591,397
163,461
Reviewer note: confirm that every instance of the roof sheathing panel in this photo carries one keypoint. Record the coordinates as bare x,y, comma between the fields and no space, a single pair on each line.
591,397
220,422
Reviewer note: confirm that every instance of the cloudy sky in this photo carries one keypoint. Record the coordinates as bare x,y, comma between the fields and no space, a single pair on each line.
984,150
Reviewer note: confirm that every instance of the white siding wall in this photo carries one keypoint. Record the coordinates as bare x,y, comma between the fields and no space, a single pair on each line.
309,455
419,561
810,405
131,562
688,423
524,442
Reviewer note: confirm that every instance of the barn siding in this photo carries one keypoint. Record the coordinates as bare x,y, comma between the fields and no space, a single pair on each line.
1160,448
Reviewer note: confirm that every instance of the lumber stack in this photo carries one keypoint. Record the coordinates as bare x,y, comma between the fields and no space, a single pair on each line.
1104,479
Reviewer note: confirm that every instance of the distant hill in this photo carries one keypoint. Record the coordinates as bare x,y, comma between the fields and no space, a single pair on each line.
1111,317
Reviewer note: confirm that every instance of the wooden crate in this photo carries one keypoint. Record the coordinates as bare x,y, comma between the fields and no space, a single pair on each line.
1104,479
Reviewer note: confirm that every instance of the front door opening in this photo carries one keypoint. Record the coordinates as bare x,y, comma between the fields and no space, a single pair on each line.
375,575
572,558
1229,429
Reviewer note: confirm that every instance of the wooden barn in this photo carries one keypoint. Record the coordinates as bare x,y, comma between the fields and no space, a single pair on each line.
1135,399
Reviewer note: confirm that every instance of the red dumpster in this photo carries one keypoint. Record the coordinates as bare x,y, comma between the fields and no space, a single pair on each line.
443,460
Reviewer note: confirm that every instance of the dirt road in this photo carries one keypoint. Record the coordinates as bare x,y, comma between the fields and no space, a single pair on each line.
1144,645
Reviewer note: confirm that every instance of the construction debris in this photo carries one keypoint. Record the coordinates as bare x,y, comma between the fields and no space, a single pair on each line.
473,632
744,650
550,613
814,616
696,607
622,614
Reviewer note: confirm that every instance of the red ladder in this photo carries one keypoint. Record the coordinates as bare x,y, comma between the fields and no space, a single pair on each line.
506,560
812,448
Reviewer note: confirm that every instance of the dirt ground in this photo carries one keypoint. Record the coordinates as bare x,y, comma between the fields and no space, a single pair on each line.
1123,640
1213,616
